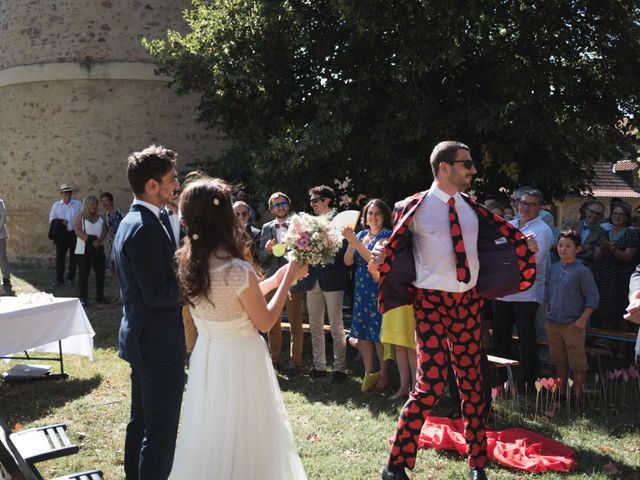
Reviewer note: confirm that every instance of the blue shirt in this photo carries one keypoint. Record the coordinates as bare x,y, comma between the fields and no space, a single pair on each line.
569,290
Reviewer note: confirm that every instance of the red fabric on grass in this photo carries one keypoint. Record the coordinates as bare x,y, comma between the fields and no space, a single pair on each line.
513,447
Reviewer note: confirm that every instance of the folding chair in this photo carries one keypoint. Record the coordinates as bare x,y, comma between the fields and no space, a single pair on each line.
90,475
12,465
43,443
13,462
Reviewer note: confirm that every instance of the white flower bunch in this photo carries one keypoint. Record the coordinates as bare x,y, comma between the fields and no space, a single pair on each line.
311,240
35,298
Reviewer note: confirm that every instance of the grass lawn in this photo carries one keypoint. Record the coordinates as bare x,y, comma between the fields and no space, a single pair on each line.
341,433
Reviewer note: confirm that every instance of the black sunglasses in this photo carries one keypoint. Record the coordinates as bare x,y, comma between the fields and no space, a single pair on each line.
313,201
468,164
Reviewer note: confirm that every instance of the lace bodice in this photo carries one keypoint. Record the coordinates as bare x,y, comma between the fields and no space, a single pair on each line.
228,281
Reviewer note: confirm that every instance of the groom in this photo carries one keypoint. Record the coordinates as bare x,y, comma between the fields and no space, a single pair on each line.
151,332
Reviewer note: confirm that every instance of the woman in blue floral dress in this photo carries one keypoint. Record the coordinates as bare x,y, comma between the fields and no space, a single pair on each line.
365,327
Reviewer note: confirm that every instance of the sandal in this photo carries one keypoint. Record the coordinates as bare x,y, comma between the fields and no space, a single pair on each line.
384,387
401,393
369,380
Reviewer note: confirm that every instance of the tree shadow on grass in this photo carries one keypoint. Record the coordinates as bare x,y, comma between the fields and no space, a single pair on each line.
28,402
591,461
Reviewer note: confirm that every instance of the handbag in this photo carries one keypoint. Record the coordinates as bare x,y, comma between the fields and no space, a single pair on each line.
88,244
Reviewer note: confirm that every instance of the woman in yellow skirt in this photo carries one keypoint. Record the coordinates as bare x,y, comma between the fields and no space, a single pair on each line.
398,335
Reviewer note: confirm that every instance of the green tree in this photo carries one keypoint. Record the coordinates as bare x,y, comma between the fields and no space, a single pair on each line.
308,91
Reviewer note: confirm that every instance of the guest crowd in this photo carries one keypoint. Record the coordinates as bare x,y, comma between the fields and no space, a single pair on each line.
564,300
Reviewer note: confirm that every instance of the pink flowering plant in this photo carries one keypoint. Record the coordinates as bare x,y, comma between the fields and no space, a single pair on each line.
311,240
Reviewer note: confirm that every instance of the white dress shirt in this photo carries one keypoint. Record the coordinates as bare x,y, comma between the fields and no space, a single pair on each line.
174,220
433,246
65,211
544,238
281,232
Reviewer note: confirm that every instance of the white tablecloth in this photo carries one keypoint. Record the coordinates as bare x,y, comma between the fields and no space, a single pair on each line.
39,327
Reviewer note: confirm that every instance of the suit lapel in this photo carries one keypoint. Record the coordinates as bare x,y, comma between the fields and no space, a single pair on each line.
164,218
405,213
399,240
136,207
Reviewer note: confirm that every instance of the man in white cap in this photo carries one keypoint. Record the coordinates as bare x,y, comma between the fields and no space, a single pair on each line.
64,212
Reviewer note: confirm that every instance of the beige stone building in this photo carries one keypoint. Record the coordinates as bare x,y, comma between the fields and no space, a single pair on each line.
78,92
610,180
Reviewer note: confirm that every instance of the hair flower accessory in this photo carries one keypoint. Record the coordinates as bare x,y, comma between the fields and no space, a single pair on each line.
195,236
216,201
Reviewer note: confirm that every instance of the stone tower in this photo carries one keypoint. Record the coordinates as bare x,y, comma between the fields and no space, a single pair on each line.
78,93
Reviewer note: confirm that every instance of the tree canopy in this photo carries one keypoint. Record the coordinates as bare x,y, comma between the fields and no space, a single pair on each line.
309,91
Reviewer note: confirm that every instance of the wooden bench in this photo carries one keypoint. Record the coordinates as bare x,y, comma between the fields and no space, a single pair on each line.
612,335
506,363
593,351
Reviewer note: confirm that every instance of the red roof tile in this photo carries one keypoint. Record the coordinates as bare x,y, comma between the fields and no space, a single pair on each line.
625,166
607,184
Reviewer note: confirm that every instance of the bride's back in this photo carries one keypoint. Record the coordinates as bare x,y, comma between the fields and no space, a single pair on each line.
229,277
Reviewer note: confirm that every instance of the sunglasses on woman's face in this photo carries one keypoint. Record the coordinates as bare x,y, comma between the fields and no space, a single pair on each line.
313,201
280,205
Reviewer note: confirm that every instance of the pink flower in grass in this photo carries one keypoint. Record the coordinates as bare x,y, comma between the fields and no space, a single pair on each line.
494,392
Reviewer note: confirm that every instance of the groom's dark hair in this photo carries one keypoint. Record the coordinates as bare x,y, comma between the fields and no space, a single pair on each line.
154,162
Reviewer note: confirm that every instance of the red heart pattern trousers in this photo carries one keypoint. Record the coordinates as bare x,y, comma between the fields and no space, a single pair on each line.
446,324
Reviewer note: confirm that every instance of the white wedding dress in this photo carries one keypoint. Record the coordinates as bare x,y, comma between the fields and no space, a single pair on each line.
234,424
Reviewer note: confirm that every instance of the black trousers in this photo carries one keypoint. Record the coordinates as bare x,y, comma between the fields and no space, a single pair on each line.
156,397
66,242
523,316
96,259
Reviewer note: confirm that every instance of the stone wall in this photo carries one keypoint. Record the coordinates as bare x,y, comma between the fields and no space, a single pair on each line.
78,93
37,31
80,132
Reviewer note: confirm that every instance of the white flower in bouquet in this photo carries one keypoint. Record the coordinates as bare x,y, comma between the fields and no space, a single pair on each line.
311,240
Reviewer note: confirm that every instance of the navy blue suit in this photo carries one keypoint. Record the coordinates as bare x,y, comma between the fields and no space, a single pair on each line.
152,340
331,277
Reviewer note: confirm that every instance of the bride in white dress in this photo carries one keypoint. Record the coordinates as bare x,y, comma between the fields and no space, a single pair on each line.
234,424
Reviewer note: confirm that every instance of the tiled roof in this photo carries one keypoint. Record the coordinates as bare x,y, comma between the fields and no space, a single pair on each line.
625,166
607,184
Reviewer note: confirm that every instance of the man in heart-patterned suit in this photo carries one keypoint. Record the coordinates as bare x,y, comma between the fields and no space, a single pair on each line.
433,260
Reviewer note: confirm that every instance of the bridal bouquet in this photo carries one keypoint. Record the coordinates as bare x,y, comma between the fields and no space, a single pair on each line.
311,240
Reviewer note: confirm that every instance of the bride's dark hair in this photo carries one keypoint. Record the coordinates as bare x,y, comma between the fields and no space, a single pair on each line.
208,218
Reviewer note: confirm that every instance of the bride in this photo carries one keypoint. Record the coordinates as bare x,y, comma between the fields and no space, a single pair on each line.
234,424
